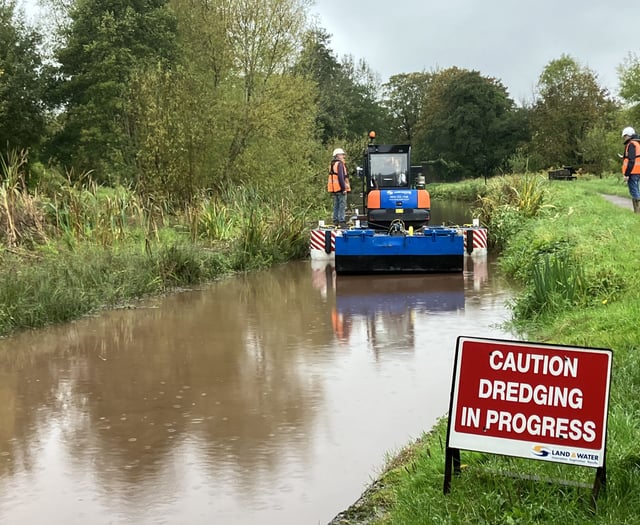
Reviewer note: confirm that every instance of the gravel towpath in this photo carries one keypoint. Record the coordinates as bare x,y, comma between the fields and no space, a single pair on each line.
625,202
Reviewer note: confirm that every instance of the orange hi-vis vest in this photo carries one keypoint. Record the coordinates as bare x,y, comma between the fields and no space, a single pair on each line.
635,170
333,184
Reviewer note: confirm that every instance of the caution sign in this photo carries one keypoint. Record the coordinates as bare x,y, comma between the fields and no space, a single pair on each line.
530,400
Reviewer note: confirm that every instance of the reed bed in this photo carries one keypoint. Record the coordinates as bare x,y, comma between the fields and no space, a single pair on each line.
70,247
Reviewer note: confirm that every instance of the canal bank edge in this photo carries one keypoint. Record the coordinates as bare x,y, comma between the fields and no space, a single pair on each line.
378,495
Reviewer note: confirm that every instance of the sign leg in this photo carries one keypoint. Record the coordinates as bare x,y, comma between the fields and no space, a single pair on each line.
447,471
598,483
451,461
456,461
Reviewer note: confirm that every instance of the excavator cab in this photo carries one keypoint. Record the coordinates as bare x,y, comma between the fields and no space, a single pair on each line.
393,192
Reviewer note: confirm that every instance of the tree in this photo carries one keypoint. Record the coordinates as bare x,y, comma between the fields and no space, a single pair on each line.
469,122
318,64
598,149
403,97
263,35
22,113
569,104
629,76
105,42
346,90
360,87
230,113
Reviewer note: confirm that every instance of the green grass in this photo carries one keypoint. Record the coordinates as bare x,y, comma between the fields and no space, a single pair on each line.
77,247
577,263
58,287
611,184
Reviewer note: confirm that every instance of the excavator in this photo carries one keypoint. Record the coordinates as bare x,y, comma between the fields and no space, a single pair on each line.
393,234
393,192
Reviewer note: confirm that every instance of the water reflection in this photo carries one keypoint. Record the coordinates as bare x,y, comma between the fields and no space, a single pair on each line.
388,305
239,403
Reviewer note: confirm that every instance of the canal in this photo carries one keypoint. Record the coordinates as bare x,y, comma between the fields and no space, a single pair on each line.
269,398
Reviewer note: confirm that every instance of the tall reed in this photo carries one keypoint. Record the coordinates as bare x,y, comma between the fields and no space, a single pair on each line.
557,282
21,216
509,202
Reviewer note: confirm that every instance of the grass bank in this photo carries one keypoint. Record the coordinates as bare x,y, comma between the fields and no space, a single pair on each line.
68,249
576,257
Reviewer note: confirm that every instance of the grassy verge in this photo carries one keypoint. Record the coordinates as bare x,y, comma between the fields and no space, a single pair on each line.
575,256
69,249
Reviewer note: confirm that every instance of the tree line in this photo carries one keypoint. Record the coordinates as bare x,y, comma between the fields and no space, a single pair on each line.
177,97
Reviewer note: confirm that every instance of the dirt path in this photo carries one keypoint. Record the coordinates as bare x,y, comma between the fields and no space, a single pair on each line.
624,202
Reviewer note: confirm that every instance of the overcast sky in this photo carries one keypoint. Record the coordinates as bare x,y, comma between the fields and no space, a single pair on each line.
510,40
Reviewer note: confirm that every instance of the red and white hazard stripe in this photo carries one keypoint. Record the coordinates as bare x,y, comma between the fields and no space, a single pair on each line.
479,241
317,247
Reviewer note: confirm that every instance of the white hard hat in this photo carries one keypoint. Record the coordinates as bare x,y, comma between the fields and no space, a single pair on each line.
338,151
628,132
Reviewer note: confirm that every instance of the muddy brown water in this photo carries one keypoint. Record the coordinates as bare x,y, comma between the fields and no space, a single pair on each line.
269,398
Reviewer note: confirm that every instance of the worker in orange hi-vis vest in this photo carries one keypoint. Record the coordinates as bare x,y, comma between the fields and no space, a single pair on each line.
341,326
338,186
631,165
